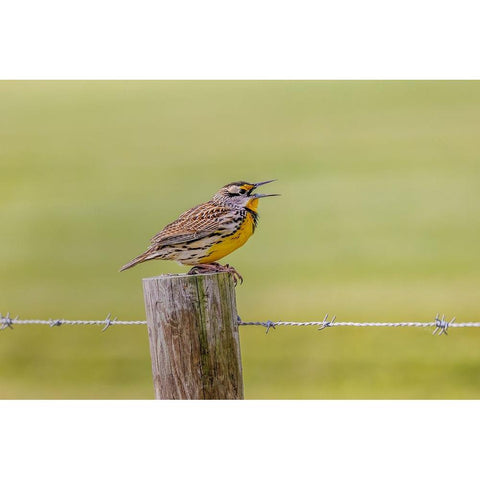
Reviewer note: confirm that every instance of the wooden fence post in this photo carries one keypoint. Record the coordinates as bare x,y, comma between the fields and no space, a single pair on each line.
193,335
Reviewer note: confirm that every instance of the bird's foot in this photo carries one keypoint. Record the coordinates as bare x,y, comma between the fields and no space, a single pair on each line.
216,268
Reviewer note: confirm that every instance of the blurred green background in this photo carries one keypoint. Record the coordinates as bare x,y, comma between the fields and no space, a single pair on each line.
378,221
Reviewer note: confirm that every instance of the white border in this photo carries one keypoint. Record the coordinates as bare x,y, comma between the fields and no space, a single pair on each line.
260,39
251,439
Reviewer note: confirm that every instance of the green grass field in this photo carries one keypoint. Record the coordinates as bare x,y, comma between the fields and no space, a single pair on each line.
379,220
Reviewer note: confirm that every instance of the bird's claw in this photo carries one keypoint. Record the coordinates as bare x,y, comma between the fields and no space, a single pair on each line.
236,276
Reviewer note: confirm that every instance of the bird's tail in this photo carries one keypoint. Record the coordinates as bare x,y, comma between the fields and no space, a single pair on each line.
141,258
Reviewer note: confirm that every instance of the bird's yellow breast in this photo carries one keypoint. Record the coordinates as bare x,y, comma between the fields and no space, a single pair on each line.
233,241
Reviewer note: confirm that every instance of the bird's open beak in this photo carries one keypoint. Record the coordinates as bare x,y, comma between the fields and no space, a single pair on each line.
262,195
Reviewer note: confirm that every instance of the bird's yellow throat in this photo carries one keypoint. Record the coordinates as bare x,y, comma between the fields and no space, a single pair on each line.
253,204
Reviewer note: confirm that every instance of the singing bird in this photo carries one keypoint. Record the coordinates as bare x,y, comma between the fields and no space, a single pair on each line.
210,231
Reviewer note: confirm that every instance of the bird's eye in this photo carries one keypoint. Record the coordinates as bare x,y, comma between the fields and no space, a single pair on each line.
242,191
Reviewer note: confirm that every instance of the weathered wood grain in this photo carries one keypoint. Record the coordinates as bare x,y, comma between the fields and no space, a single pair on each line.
193,335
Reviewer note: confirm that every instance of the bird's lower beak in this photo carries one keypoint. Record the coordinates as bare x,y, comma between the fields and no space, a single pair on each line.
262,195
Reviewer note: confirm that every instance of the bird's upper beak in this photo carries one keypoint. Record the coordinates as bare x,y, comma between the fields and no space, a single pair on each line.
262,195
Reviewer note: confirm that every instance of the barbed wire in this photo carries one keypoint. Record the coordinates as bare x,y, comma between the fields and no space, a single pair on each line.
8,322
439,324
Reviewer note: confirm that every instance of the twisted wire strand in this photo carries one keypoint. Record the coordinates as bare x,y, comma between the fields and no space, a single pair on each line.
357,324
61,321
441,325
8,322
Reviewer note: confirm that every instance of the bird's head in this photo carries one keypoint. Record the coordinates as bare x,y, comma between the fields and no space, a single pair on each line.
241,195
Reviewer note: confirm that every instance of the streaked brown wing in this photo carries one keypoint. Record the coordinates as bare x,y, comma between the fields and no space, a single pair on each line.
196,223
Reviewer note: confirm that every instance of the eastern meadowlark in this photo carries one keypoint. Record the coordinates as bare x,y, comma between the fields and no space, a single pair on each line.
210,231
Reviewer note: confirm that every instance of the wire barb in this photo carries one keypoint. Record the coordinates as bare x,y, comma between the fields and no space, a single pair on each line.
7,321
441,325
269,325
325,323
108,322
